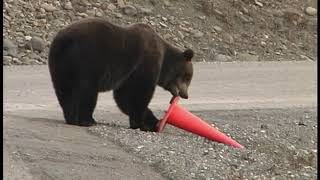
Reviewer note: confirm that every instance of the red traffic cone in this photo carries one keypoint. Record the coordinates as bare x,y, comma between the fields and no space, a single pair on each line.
181,118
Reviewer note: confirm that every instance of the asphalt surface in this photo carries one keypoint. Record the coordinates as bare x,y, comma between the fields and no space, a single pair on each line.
38,145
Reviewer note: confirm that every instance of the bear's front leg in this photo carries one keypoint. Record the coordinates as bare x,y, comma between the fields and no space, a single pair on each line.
149,122
133,98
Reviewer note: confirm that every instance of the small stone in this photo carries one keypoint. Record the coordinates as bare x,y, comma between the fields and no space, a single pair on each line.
139,147
217,12
166,3
197,34
167,36
27,38
84,15
68,5
217,28
36,43
16,61
180,34
111,7
228,38
305,57
42,10
202,17
311,11
99,14
118,15
121,3
9,48
244,10
48,7
222,58
259,3
130,10
162,24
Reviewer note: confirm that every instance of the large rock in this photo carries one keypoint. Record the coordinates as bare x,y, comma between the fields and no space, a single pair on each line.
247,57
7,60
9,48
311,11
48,7
36,43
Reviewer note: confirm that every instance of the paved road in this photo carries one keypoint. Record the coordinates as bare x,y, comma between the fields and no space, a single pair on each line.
38,145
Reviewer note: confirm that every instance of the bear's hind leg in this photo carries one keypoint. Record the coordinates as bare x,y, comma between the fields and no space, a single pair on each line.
85,99
78,104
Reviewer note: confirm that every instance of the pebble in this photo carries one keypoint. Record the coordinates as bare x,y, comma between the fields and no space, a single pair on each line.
27,38
162,24
263,43
202,17
111,7
16,61
166,3
164,18
48,7
118,15
129,10
84,15
181,34
217,28
311,11
259,3
99,14
121,3
197,33
228,38
68,5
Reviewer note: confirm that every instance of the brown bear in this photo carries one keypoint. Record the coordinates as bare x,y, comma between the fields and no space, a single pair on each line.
94,55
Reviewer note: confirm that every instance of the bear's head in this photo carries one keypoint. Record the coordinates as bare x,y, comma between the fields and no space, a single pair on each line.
176,73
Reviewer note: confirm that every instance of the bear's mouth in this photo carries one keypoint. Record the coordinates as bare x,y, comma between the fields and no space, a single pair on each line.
184,96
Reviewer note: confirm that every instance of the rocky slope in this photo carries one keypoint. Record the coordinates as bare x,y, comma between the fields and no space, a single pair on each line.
218,30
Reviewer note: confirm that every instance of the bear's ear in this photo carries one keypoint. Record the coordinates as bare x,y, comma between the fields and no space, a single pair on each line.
188,54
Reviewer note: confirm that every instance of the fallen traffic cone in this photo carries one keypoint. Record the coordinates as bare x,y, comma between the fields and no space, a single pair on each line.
181,118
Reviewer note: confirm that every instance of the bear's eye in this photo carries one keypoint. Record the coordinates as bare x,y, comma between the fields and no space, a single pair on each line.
188,78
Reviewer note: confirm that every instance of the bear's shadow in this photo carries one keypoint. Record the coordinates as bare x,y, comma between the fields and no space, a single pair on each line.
62,122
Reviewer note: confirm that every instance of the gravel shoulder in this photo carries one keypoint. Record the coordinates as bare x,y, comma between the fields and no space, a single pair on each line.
279,144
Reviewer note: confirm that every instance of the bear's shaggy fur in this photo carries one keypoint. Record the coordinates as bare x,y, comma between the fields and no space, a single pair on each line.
94,55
